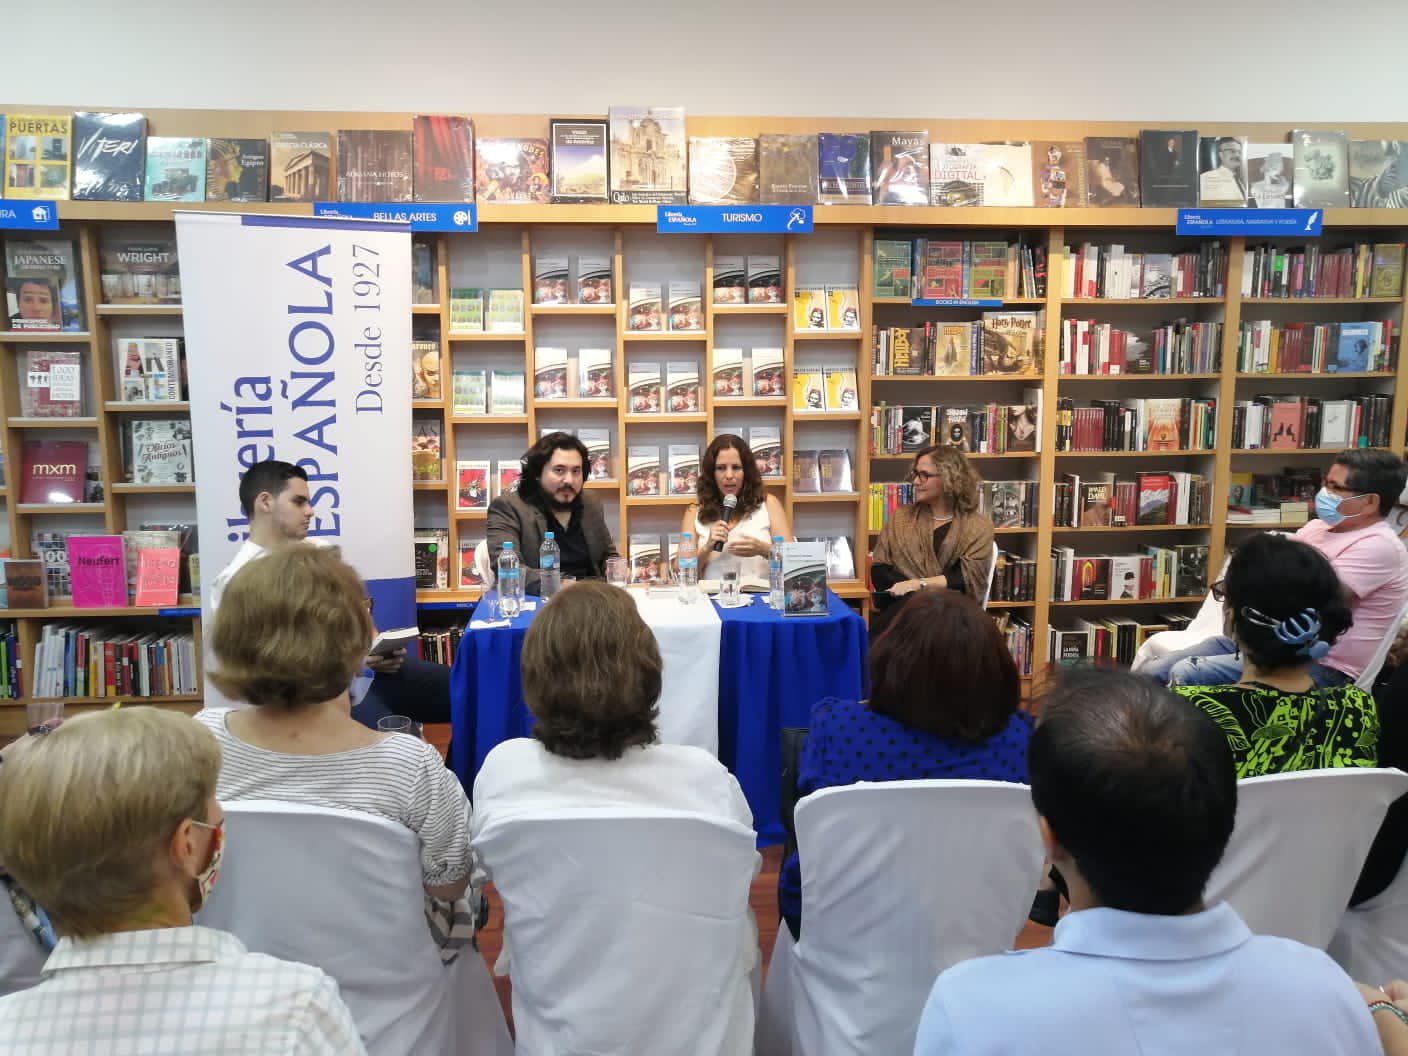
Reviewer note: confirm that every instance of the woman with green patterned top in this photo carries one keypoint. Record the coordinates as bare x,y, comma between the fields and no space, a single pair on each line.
1284,606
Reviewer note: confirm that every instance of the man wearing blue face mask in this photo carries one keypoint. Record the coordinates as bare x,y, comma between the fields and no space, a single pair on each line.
1360,490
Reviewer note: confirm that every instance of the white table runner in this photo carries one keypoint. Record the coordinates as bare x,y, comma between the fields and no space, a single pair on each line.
688,637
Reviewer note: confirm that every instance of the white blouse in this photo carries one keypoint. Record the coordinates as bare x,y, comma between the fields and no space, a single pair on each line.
755,524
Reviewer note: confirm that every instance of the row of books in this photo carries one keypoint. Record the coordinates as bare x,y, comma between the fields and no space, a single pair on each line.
51,379
998,343
100,571
1179,347
1361,270
74,660
1018,634
1013,578
949,269
989,429
440,645
1007,503
754,279
825,471
1271,500
478,311
1154,572
42,289
1102,500
1264,347
830,389
1111,271
1164,424
11,687
647,311
1291,422
642,155
828,308
557,280
1081,641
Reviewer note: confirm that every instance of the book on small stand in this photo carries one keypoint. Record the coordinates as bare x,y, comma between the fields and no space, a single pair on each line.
158,576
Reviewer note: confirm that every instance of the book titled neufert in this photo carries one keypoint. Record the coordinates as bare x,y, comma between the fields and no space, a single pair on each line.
98,571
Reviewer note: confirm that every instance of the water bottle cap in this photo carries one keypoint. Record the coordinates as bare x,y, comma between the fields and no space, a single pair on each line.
548,535
686,535
508,545
777,539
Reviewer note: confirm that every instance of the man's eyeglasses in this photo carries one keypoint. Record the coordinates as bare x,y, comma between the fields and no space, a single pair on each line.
1219,591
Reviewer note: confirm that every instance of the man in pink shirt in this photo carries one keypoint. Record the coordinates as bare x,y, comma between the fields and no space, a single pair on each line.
1350,529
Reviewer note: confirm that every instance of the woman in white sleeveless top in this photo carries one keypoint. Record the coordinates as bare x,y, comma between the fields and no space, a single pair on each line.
729,468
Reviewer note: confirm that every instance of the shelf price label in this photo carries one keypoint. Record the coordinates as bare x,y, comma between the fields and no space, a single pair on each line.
1255,222
18,215
729,219
422,216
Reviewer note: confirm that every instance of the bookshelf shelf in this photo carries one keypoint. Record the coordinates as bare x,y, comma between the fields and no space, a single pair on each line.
826,496
1136,454
147,407
1149,301
659,500
723,403
1322,300
154,489
1306,375
1012,531
427,405
139,310
62,609
448,599
602,485
60,507
826,416
429,485
1106,379
1112,529
826,335
487,335
1006,301
1186,599
750,309
1284,452
965,379
425,309
1010,605
489,419
53,423
701,418
45,337
573,309
471,515
126,698
665,335
970,455
574,405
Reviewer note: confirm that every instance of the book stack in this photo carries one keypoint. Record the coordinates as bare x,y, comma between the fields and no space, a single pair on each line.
1137,425
1111,272
1104,501
884,500
1360,270
73,660
439,646
1263,347
1154,573
1282,499
1293,422
1181,347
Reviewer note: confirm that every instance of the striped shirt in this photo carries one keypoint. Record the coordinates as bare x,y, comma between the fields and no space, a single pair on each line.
192,990
399,778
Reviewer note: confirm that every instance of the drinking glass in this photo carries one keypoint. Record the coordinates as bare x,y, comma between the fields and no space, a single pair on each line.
728,590
488,608
618,572
398,724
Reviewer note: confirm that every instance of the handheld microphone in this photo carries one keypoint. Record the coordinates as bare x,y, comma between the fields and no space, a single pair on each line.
730,503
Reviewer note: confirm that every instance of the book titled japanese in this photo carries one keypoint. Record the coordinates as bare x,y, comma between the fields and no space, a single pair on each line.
41,285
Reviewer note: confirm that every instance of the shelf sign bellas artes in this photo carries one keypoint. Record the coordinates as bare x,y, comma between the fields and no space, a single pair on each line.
16,215
724,219
422,216
1254,222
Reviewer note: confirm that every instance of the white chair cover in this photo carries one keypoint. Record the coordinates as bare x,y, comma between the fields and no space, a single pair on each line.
342,890
483,565
992,571
1371,942
927,873
1370,674
21,958
628,931
1208,623
1298,846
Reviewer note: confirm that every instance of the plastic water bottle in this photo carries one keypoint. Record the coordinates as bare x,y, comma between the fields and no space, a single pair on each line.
689,568
549,566
510,582
775,574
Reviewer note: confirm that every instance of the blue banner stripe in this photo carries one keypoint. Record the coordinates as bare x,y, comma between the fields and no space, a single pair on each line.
422,216
264,220
23,214
722,219
1254,222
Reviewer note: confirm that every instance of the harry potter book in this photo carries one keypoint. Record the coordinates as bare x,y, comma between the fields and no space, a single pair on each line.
373,166
109,157
442,164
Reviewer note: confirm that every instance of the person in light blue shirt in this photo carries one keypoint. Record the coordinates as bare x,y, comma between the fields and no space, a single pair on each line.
1136,796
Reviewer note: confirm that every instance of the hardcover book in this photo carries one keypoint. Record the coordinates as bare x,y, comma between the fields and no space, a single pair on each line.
1387,280
954,355
764,280
432,559
893,269
594,283
1222,172
809,308
1005,171
373,166
843,168
1164,418
596,376
158,576
686,307
899,166
643,470
37,155
469,577
1192,570
512,170
471,393
550,373
26,584
175,169
98,571
41,285
598,444
648,155
109,157
1351,354
237,170
730,281
300,167
842,308
682,387
1112,171
506,392
917,428
723,170
1376,176
728,372
550,276
954,176
1168,168
1153,498
1010,342
1023,424
442,164
160,451
1058,172
472,484
427,458
1124,576
150,368
645,385
139,269
1321,169
1270,171
804,589
54,471
578,161
53,383
953,427
768,379
684,468
644,312
787,169
425,370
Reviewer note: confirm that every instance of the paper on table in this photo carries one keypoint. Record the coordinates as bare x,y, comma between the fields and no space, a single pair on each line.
484,625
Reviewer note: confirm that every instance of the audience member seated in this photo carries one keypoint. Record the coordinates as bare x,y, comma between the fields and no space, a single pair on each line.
292,630
591,678
1389,1005
1136,798
748,529
111,822
1361,489
1284,608
26,942
938,542
1391,844
943,704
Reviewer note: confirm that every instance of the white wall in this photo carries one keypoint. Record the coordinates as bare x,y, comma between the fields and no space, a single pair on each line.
1134,60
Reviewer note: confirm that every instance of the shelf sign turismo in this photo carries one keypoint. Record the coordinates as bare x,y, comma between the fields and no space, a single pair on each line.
16,215
957,302
724,219
1250,221
422,216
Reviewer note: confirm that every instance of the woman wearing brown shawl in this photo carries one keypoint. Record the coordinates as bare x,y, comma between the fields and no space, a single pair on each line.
940,542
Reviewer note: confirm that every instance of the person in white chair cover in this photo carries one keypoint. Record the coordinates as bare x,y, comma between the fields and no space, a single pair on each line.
111,823
1136,797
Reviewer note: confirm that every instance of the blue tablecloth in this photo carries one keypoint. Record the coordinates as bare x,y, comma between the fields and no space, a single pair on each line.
772,669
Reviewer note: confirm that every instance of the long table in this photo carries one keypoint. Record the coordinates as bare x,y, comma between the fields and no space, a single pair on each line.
772,669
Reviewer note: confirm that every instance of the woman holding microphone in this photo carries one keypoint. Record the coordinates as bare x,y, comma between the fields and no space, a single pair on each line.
733,509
